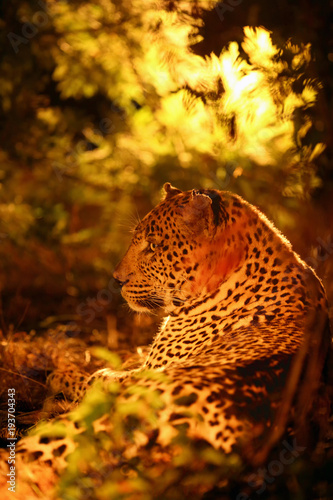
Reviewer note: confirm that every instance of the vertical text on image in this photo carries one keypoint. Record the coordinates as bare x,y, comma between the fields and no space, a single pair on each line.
11,438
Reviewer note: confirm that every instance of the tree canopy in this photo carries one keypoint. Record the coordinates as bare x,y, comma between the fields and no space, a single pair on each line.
102,102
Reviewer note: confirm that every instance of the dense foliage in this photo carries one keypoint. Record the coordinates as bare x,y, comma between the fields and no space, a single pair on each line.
105,101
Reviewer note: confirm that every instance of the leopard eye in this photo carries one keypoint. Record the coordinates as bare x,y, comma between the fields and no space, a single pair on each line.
153,246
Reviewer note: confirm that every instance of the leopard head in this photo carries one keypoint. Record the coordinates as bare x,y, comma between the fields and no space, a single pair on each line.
185,247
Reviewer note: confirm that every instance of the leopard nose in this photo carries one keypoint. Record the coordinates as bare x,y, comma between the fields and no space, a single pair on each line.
120,277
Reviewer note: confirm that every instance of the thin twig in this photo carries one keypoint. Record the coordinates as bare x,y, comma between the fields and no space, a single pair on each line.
22,376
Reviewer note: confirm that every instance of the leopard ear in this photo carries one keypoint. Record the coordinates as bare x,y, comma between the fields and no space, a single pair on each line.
170,191
198,215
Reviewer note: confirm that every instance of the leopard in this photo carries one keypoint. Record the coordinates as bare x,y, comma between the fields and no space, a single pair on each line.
239,305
